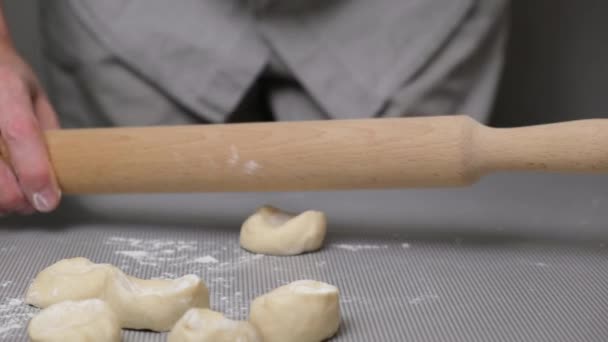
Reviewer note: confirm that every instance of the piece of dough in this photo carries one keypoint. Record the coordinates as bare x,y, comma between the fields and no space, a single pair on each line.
138,303
154,304
203,325
303,311
274,232
68,279
90,320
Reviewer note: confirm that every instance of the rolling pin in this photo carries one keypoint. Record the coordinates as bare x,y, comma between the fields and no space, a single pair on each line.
317,155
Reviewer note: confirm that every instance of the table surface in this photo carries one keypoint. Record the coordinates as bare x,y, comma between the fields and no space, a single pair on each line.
515,258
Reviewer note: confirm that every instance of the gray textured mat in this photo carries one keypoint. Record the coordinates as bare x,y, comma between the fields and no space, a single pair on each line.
393,289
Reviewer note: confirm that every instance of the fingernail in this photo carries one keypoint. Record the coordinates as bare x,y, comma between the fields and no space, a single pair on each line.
44,201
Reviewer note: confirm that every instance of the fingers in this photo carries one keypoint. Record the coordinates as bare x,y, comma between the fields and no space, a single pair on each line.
11,197
45,113
23,137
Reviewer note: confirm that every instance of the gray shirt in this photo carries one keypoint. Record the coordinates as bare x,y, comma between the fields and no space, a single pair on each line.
352,58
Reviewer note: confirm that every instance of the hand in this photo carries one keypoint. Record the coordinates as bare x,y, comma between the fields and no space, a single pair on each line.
25,111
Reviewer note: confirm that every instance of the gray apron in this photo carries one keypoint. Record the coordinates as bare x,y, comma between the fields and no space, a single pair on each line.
158,62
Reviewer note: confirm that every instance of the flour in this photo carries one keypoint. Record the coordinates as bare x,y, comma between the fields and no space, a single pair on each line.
235,264
14,315
234,156
170,259
356,248
139,255
166,254
14,302
6,284
152,244
406,245
423,298
153,252
250,167
208,259
345,299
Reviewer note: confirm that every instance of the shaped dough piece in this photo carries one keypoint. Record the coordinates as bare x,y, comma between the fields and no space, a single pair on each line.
202,325
138,303
90,320
69,279
154,304
303,311
275,232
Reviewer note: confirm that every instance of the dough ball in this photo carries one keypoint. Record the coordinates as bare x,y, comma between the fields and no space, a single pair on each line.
303,311
202,325
69,279
274,232
90,320
154,304
138,303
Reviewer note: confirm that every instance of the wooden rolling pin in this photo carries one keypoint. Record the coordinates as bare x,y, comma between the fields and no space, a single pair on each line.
317,155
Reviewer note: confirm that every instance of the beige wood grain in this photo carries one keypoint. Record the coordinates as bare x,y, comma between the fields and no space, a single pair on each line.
317,155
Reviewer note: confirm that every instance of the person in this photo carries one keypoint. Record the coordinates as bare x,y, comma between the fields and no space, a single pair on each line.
158,62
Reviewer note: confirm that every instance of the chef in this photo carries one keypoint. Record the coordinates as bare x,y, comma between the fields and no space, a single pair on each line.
161,62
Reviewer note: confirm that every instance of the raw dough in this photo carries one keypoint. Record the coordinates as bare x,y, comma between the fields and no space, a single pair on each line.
69,279
138,303
274,232
303,311
202,325
154,304
91,320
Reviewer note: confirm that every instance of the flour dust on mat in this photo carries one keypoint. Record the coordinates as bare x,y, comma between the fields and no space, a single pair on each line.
358,247
14,315
170,259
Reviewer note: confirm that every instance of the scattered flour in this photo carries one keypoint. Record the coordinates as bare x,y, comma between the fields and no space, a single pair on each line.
6,284
205,260
153,252
236,263
356,248
423,298
406,245
234,156
346,299
170,259
139,255
6,328
14,302
14,315
167,254
251,166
